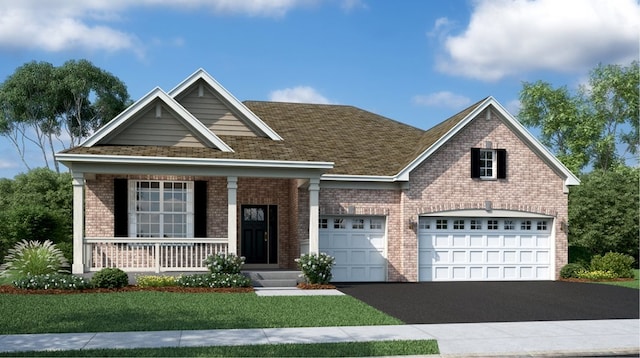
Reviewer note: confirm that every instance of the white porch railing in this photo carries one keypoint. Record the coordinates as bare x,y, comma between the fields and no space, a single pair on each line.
151,254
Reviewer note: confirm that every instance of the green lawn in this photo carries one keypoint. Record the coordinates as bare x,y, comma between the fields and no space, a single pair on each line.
156,311
635,283
351,349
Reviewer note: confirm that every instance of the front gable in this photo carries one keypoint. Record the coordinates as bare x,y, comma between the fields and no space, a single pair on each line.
201,84
210,108
156,119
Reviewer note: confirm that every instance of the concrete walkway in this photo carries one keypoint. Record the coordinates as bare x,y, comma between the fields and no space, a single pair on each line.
555,338
541,338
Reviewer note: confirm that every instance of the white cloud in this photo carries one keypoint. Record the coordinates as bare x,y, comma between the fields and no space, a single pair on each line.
299,94
6,164
441,27
442,99
505,37
60,25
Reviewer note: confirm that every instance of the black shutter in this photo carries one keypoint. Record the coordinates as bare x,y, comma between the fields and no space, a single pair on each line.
120,208
502,163
200,209
475,162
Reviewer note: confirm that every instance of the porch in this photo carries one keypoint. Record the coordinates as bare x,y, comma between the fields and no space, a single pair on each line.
244,219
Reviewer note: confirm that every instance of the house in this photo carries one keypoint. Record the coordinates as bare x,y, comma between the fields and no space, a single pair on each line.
180,175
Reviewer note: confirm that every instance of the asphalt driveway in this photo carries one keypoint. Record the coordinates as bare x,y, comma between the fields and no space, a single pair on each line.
472,302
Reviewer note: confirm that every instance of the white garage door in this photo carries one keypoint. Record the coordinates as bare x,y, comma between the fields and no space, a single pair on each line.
484,249
358,245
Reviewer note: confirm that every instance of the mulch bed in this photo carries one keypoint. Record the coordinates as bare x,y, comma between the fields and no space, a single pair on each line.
603,280
6,289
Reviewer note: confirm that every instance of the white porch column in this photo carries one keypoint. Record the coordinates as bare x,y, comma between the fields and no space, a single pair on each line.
314,215
232,209
78,223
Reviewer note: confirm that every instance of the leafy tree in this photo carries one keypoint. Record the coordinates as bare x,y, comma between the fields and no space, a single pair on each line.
584,128
37,205
48,106
604,211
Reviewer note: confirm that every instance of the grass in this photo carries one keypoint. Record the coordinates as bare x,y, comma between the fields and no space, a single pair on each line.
156,311
635,283
351,349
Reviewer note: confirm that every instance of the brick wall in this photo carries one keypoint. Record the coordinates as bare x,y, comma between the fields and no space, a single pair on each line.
443,182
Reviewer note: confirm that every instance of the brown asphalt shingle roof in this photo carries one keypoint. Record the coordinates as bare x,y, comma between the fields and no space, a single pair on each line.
357,141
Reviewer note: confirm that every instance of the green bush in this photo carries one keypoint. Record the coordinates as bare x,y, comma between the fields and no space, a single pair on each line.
110,277
571,270
620,264
52,281
316,268
224,263
597,275
156,281
32,258
214,280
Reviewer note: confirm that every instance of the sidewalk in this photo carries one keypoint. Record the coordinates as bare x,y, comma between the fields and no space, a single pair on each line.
607,337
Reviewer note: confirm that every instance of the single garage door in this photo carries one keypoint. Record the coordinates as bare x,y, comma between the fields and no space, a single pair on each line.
485,249
358,245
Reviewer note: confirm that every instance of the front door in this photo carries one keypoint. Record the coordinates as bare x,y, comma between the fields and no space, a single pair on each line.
260,234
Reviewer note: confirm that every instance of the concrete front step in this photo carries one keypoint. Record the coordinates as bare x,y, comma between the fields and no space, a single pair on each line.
273,278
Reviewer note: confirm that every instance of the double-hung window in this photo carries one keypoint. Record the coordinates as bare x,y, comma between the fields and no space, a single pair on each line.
161,208
488,164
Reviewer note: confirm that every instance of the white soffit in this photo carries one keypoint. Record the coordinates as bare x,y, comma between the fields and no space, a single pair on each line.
233,101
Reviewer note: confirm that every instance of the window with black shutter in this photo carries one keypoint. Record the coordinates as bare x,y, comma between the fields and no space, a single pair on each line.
488,163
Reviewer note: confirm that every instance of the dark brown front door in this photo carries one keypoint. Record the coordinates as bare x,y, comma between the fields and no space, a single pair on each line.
259,234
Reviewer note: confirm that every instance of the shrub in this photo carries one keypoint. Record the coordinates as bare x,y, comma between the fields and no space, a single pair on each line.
156,281
110,277
224,263
214,280
52,281
597,275
316,268
619,264
571,270
32,258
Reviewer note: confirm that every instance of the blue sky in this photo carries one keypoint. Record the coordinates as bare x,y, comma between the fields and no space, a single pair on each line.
414,61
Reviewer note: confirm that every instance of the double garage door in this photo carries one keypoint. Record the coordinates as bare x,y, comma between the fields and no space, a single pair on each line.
358,244
484,249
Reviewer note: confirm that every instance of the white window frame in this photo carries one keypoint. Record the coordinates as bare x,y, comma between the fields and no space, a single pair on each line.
488,164
133,208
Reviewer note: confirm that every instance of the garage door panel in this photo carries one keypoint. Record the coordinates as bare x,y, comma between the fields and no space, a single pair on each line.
459,241
476,257
476,241
510,257
510,241
542,257
542,241
496,249
459,257
494,241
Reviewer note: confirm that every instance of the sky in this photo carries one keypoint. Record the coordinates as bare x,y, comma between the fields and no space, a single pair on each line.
414,61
